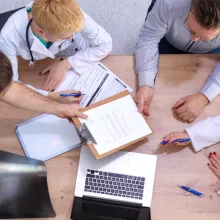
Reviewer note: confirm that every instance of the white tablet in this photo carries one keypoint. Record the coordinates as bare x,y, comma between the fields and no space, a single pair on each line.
47,136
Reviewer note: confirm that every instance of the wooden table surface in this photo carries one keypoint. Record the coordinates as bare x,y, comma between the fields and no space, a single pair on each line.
179,76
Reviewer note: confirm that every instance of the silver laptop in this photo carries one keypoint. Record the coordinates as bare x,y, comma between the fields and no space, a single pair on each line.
117,187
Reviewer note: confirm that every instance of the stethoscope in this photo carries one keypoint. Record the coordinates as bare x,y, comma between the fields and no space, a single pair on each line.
32,62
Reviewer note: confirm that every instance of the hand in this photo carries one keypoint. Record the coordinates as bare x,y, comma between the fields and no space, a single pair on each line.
175,136
56,96
57,72
188,108
143,99
214,159
69,111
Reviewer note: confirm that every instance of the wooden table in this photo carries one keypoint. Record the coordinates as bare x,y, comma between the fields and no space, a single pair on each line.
179,75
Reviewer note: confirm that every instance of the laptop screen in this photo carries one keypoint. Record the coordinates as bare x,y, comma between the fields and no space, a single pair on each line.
90,209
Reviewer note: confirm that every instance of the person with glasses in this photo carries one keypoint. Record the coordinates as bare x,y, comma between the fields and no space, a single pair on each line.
49,28
175,27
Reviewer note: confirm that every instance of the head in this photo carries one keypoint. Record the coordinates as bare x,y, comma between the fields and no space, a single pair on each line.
6,73
57,20
203,20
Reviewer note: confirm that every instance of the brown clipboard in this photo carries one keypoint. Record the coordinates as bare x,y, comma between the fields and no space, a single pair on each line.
103,102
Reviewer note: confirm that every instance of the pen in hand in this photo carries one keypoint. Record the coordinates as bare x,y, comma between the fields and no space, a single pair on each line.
72,95
178,140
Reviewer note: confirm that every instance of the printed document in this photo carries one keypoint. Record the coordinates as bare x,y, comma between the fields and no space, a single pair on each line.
115,124
97,83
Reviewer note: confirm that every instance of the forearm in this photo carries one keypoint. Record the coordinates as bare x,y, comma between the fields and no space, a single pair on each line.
146,64
21,96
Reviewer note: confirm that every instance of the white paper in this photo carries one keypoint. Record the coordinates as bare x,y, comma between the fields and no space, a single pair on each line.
115,124
97,83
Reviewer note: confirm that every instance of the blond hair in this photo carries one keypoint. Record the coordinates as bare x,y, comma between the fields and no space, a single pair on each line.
58,16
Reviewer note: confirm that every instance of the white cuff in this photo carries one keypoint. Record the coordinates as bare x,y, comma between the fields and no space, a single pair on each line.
210,89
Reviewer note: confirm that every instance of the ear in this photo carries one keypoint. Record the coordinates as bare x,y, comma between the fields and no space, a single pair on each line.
40,31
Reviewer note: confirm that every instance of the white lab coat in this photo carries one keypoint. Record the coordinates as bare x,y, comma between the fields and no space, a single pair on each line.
89,46
205,133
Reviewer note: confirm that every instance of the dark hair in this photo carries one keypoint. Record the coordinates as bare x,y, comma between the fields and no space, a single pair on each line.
6,72
207,13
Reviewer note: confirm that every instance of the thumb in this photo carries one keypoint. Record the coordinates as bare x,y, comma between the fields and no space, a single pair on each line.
180,102
81,115
141,105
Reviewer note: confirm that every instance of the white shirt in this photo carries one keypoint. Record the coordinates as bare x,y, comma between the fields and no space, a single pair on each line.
92,44
205,133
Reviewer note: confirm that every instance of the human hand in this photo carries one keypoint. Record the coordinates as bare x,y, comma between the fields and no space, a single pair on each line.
56,74
70,110
189,107
143,99
175,136
56,96
214,159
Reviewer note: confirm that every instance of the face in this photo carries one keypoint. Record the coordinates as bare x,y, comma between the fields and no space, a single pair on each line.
198,32
56,38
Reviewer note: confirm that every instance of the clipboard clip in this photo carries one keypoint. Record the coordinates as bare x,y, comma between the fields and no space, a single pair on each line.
86,136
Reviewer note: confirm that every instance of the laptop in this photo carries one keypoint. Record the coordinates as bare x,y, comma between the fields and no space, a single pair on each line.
119,186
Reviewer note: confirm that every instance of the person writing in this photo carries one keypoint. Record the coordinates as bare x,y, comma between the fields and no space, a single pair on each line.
183,26
19,95
201,135
49,28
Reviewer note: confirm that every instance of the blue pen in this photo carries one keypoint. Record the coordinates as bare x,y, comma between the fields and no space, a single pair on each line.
191,191
72,95
178,140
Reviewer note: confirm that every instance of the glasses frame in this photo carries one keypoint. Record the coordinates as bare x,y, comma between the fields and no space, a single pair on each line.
196,35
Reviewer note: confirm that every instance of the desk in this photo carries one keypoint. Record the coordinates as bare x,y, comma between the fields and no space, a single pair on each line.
179,75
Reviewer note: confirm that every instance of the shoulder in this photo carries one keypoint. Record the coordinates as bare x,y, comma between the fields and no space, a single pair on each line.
16,24
171,4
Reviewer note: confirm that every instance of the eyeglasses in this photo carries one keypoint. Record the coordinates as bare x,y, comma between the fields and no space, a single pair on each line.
207,40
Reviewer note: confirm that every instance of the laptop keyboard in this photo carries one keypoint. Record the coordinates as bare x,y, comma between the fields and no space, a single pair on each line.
114,184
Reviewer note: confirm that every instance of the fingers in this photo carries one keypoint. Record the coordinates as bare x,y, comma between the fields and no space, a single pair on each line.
214,169
47,84
72,99
57,84
180,103
45,71
215,163
50,84
174,136
217,155
181,110
141,105
81,115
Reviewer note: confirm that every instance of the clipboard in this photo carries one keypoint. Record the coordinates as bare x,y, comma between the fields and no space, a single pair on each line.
86,135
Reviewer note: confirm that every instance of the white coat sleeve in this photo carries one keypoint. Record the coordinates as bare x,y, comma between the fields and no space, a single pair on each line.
8,47
100,46
205,133
212,86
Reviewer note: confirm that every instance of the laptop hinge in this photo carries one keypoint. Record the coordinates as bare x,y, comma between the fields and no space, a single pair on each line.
112,202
